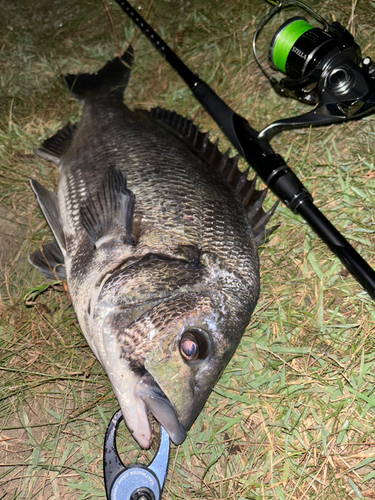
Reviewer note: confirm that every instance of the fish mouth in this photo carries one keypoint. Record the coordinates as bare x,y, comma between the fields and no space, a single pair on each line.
149,396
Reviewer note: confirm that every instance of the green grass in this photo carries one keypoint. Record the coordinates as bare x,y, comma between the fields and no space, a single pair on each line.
293,415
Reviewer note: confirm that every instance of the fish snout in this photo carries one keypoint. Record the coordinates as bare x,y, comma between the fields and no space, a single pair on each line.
159,405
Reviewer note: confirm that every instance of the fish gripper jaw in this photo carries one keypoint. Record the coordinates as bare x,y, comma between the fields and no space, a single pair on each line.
135,481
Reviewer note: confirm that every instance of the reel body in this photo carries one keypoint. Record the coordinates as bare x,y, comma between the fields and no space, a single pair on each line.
323,67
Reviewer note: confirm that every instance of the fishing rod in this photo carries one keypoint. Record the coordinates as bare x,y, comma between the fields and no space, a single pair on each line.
254,147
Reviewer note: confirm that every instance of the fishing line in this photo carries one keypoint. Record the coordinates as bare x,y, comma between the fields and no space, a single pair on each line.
285,39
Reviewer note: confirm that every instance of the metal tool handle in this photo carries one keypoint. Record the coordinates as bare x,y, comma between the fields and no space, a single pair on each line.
135,481
258,153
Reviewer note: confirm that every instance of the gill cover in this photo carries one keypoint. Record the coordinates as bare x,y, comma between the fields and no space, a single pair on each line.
136,390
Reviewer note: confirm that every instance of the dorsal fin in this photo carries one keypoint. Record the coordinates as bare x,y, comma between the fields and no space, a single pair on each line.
53,148
198,141
222,165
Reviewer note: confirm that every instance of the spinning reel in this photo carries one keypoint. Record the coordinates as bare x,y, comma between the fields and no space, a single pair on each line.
323,67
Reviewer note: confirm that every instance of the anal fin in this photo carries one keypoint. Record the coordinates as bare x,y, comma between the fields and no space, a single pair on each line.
49,260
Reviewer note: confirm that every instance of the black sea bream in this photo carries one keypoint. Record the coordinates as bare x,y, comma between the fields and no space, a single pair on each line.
156,232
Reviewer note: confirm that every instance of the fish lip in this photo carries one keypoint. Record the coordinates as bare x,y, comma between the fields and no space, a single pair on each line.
159,405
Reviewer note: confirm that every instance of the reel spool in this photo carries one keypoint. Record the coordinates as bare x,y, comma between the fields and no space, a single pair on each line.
323,67
296,47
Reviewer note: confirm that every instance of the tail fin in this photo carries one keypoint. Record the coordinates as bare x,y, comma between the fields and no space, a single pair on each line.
112,78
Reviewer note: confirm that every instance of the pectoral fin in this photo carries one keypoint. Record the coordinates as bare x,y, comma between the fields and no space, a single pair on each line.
112,207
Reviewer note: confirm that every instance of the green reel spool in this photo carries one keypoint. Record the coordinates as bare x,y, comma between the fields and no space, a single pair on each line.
285,39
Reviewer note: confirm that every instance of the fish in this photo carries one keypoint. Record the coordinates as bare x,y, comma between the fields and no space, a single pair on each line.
157,233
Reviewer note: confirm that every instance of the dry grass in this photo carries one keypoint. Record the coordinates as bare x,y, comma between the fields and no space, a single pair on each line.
293,415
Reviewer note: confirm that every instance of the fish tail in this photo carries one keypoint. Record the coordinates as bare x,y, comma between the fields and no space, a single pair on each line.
111,79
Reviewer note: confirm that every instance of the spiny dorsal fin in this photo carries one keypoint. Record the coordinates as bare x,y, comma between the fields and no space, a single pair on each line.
49,203
224,166
261,234
53,148
198,141
49,260
111,79
114,203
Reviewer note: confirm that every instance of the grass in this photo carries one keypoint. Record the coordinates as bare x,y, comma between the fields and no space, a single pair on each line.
292,417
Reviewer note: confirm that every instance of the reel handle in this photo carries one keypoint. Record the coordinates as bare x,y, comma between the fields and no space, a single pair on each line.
345,92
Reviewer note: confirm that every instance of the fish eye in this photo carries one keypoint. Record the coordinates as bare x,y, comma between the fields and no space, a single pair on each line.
193,346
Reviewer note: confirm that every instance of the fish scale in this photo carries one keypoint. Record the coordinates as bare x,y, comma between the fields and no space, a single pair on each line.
152,227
